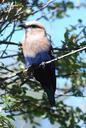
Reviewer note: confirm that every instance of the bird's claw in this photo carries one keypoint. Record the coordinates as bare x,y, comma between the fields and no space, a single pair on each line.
43,64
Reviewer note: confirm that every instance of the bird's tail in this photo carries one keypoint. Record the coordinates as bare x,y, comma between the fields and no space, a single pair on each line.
51,97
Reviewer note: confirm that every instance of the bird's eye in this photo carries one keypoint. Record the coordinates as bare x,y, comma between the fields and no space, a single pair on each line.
32,26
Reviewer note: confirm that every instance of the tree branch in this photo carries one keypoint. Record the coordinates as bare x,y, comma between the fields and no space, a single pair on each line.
63,56
8,42
45,5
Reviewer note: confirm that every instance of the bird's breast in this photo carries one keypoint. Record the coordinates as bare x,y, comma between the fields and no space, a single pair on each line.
34,45
36,49
37,59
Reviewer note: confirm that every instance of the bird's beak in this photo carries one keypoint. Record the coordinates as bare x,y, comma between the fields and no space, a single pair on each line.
22,25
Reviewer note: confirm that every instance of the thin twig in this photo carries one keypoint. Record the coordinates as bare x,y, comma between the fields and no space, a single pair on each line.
8,42
49,2
47,62
5,68
9,56
65,55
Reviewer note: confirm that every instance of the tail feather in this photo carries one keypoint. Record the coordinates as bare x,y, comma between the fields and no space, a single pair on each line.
46,76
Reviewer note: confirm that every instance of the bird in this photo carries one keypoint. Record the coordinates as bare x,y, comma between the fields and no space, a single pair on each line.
37,49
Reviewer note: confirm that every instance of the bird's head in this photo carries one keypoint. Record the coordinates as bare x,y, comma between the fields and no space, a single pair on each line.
33,27
31,24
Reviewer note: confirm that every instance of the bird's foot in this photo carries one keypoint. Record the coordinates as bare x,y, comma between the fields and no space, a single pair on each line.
43,64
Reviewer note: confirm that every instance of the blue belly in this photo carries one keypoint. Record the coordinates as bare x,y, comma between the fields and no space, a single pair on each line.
39,58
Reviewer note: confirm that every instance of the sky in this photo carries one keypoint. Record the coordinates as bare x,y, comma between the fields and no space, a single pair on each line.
56,29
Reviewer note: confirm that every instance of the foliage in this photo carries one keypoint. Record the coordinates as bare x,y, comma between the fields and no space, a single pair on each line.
15,85
5,122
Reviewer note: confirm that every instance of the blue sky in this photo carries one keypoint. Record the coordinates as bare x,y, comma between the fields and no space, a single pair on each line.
56,29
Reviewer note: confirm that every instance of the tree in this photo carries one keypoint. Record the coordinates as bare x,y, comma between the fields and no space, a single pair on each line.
15,85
